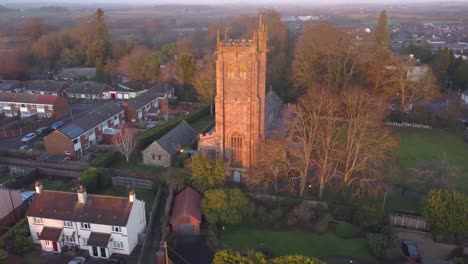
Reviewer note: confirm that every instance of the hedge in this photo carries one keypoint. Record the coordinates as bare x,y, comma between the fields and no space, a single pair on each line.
152,134
104,159
19,229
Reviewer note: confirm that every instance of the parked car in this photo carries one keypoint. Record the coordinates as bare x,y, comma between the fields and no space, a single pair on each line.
410,250
77,260
44,131
57,125
28,137
26,148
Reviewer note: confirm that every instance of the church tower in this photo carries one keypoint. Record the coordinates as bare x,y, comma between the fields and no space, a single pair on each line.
240,101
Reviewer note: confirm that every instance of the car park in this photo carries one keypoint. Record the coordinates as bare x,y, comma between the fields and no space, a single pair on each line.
29,137
57,125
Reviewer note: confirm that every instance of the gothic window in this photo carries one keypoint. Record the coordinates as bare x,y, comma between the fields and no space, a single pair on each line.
235,145
243,71
230,71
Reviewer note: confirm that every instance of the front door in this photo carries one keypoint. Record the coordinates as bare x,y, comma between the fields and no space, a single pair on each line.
103,253
55,246
95,252
113,95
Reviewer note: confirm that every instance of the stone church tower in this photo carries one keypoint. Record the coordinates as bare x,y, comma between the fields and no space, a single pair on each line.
240,102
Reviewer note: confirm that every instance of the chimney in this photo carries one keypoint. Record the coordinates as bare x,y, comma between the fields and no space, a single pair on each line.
131,196
82,195
38,187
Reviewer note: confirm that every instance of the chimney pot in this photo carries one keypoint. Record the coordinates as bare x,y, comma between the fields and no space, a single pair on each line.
82,195
131,196
38,187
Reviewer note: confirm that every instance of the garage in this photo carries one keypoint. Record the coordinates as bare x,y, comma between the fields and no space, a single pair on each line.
186,212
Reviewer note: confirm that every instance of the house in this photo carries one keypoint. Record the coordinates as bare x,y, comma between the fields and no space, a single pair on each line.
11,86
46,87
186,212
464,98
76,74
13,205
33,105
163,91
136,109
87,90
121,92
163,151
100,224
74,139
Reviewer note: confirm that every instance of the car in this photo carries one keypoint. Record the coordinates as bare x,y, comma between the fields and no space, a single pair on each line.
26,148
44,131
57,125
411,251
115,259
77,260
28,137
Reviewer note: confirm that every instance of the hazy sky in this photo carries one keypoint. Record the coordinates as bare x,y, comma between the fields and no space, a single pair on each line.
155,2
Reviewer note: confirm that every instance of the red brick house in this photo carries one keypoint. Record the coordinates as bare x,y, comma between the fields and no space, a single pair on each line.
31,105
136,109
46,87
186,212
75,138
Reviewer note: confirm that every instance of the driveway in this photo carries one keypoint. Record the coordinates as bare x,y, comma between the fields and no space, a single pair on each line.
430,250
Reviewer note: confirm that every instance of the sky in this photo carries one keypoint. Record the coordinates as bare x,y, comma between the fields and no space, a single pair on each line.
155,2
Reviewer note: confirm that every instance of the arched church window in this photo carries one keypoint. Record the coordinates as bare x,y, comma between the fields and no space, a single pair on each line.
235,145
243,71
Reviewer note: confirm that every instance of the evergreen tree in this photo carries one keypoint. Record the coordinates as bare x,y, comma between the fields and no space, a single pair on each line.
382,35
98,50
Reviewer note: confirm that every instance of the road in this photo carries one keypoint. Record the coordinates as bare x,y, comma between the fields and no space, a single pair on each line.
77,111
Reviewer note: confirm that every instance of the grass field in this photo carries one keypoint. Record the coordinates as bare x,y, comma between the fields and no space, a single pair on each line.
135,163
418,145
202,123
297,242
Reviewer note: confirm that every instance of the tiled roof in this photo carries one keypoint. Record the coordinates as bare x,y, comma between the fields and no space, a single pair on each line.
50,233
87,88
98,239
181,135
49,86
10,85
186,203
91,120
273,104
98,209
141,100
28,98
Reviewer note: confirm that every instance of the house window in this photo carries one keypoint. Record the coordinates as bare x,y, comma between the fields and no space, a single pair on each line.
117,229
50,107
153,156
49,114
159,157
75,141
37,220
67,224
85,241
33,106
23,105
46,242
118,244
85,226
70,239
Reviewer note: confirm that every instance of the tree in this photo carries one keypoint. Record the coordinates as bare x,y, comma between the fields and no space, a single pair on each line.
34,28
295,259
90,179
206,173
446,211
367,144
382,35
185,69
224,206
125,141
204,81
234,257
131,65
441,64
151,68
98,50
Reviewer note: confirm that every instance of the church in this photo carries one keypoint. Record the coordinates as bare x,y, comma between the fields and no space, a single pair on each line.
244,110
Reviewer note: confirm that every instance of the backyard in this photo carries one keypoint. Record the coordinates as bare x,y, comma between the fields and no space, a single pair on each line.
295,242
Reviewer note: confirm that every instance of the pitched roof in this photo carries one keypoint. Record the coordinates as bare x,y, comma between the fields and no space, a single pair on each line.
28,98
98,209
141,100
49,86
76,73
50,233
186,203
87,88
91,120
181,135
97,239
6,205
160,89
273,104
10,85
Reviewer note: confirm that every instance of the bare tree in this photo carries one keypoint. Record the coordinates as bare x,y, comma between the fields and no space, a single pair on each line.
367,142
204,81
125,141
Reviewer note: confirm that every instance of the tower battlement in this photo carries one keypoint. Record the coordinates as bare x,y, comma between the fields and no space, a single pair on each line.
257,43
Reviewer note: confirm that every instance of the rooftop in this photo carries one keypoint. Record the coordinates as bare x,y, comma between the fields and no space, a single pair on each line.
186,203
87,88
49,86
28,98
181,135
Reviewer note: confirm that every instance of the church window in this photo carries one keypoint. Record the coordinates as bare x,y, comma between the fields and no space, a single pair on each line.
236,148
243,71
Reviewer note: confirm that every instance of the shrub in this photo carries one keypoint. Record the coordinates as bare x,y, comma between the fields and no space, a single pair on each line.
369,219
89,179
3,254
377,244
345,230
344,213
302,214
104,159
321,226
22,245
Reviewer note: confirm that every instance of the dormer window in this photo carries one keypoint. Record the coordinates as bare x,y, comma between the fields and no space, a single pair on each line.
67,224
85,226
117,229
37,220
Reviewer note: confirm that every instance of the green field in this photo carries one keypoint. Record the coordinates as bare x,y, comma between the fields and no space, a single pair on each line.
202,123
420,145
294,242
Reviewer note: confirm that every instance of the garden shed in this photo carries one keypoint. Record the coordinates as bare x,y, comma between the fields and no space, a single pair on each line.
186,212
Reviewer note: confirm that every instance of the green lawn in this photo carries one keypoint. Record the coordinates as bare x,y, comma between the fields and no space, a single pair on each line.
202,123
135,163
57,185
297,242
419,145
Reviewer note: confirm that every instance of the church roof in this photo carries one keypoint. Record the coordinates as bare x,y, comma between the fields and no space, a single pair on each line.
273,104
280,123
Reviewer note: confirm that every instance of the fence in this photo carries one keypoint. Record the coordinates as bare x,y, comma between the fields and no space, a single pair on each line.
149,227
409,221
23,177
406,124
47,172
136,183
19,131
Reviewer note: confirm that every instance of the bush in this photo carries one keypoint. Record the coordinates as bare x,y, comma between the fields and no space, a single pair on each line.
20,229
369,219
345,230
302,214
89,179
104,159
22,245
3,254
321,226
377,244
344,213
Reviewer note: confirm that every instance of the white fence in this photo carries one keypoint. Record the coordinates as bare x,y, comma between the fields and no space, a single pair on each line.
409,221
406,124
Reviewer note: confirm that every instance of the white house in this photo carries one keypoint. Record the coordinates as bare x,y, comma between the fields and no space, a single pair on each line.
101,224
121,92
